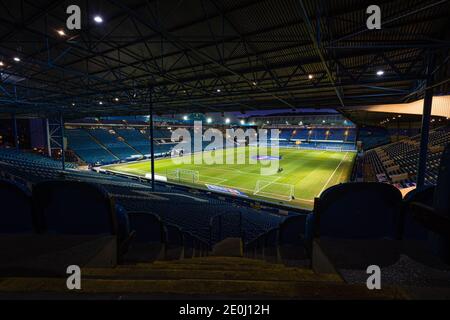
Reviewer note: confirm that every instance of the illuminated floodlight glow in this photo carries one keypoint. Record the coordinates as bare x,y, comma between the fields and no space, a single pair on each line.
380,72
185,118
218,90
209,120
98,19
227,120
242,122
61,33
310,76
16,59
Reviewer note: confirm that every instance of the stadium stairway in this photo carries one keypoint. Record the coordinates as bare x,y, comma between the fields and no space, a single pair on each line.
129,145
197,278
93,137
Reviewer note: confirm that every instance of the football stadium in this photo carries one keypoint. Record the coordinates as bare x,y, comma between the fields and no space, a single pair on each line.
306,173
225,150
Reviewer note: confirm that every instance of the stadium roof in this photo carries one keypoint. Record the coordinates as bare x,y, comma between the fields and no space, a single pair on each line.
207,56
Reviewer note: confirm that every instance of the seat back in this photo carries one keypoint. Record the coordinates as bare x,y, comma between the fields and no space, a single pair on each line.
411,228
174,235
189,245
292,230
188,240
75,208
271,238
362,210
148,227
441,203
16,212
123,223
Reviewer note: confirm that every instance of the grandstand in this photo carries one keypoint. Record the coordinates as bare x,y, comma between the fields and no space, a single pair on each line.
225,150
396,163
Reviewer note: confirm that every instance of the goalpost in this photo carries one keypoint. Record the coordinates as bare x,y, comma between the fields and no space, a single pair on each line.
274,190
182,175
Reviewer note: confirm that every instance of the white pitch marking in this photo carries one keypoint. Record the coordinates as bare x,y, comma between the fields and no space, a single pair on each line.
329,179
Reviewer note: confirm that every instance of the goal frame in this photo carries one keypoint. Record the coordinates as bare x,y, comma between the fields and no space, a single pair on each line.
183,175
261,190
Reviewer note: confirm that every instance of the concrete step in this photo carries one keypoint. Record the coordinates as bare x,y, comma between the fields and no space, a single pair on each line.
196,287
254,274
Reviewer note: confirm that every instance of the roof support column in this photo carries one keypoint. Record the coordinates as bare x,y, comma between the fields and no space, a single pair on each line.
152,148
48,138
426,117
63,153
15,132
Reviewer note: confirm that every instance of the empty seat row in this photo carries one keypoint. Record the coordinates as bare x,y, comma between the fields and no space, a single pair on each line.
70,208
355,225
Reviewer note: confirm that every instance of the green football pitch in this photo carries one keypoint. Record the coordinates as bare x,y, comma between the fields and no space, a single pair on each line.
305,174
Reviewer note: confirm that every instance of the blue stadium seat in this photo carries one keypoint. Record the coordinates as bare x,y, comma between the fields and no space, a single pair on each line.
148,239
358,211
16,211
189,245
292,230
436,218
411,229
74,208
174,242
355,226
291,238
148,227
271,245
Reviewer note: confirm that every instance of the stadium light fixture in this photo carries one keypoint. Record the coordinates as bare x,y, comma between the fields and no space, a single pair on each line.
310,76
254,83
100,102
73,104
1,64
16,59
242,122
227,120
380,72
209,120
116,99
218,90
98,19
185,118
61,32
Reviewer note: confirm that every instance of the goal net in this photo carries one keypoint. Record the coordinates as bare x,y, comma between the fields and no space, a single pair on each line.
182,175
274,190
